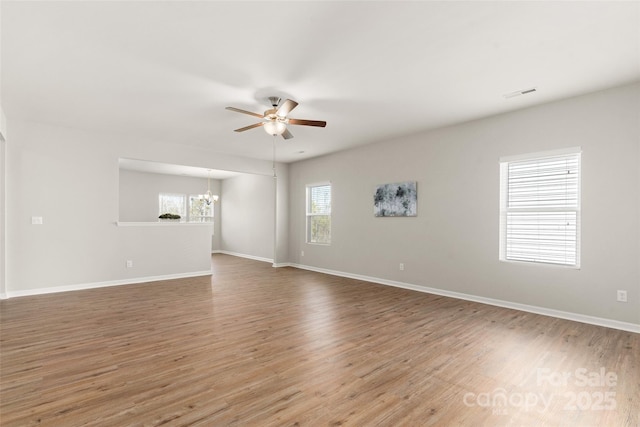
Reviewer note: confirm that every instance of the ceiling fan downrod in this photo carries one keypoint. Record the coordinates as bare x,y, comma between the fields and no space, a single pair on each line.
275,101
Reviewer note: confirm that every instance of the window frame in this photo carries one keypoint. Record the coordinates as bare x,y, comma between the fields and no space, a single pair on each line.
310,215
201,218
505,209
185,214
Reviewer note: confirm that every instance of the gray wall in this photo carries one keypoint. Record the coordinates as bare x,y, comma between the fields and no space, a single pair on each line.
282,216
3,172
138,196
70,178
3,169
247,216
453,242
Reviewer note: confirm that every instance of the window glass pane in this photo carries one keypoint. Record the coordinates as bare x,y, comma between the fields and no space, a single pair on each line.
319,214
173,204
199,210
320,199
320,229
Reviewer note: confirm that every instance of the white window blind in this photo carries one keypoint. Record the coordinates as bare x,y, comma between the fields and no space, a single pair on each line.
540,209
319,214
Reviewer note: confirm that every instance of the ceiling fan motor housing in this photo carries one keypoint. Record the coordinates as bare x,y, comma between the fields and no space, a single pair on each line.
275,101
270,113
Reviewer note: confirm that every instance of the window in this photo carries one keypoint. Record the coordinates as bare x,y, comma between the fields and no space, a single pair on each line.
319,214
173,204
540,208
199,210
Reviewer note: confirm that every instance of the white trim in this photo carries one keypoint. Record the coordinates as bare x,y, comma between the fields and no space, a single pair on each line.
540,264
3,204
282,264
318,184
3,125
160,223
84,286
576,317
541,154
257,258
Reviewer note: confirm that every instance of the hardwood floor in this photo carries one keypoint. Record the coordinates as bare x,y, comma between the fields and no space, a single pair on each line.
255,345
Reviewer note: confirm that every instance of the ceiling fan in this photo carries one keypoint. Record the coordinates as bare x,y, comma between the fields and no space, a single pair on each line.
275,120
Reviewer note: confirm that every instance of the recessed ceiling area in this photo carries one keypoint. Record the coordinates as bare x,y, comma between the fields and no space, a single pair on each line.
171,169
165,71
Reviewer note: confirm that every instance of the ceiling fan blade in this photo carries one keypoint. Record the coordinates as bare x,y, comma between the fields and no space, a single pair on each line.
318,123
237,110
286,134
249,127
286,107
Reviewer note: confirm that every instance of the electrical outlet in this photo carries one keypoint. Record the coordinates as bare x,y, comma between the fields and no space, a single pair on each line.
129,263
301,253
401,266
36,220
622,296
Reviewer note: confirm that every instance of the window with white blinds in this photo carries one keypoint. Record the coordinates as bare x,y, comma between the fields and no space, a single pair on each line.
319,214
540,208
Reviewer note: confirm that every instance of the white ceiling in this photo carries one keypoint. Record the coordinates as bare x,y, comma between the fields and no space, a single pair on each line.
373,70
172,169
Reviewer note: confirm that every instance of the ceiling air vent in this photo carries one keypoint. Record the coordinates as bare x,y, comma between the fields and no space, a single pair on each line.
519,92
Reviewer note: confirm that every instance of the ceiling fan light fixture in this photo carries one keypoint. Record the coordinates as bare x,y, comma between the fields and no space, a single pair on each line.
275,127
275,120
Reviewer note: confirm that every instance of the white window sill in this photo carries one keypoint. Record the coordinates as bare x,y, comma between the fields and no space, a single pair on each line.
539,263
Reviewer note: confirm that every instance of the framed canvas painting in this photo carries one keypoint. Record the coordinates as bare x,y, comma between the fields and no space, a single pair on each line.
398,199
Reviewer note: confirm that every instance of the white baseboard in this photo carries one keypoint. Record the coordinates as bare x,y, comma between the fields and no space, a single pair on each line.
282,264
83,286
256,258
609,323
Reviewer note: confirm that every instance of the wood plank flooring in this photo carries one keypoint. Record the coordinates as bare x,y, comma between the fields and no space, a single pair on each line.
258,346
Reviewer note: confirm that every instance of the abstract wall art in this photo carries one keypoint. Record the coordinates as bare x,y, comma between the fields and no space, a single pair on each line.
398,199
